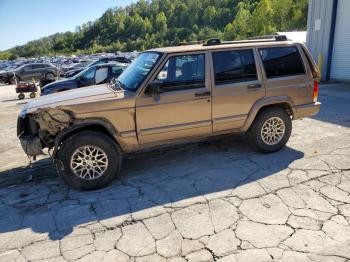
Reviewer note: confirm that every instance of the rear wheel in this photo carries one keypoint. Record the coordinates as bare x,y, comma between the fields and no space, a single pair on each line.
88,160
32,95
50,76
271,130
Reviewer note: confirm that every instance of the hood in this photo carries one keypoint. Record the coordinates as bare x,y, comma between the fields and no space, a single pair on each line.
73,97
66,83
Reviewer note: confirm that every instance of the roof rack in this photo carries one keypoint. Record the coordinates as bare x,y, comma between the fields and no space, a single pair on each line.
191,43
257,39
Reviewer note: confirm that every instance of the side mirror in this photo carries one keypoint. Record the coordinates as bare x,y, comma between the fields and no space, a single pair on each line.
154,89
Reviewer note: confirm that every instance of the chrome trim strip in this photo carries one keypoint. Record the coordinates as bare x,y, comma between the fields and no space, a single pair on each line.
178,127
225,119
128,134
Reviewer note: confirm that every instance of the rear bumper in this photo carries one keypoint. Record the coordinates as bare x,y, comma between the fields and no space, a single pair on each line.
307,110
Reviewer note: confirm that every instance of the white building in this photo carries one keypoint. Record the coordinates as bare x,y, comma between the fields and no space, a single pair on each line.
328,37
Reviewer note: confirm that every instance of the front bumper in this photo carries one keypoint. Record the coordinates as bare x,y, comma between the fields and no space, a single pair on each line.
28,136
307,110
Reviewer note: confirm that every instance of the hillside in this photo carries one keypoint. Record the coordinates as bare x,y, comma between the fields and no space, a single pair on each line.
147,24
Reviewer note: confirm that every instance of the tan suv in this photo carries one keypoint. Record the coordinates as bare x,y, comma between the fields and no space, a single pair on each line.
174,94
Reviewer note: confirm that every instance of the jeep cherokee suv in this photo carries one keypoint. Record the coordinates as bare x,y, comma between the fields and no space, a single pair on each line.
173,94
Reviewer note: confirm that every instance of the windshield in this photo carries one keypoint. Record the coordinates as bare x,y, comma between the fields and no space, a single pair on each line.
86,71
137,71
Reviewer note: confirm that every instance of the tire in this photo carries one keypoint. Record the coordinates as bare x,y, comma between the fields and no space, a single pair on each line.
21,96
266,131
32,95
67,157
13,80
49,76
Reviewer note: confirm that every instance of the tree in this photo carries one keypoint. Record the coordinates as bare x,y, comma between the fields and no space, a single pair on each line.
161,22
154,23
261,21
240,27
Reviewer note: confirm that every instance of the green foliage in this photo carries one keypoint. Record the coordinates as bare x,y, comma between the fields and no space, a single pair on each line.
148,24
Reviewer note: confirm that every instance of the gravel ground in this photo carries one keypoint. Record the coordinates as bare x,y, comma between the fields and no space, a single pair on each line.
211,201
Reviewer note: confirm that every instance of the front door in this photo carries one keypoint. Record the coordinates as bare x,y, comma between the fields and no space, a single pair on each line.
183,109
237,85
88,78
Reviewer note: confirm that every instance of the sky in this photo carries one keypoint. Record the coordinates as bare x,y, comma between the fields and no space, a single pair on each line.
25,20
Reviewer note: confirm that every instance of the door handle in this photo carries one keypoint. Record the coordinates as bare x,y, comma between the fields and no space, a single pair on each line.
205,93
254,86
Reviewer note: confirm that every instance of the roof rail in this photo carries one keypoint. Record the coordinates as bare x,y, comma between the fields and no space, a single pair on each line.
270,37
257,39
190,43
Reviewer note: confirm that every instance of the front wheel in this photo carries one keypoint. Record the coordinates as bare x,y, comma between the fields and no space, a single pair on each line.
21,96
271,130
88,160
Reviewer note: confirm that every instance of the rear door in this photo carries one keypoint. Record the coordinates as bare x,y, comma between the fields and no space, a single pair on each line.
27,72
237,85
286,74
38,71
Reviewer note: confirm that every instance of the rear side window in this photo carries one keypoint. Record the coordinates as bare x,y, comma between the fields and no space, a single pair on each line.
37,66
234,66
281,61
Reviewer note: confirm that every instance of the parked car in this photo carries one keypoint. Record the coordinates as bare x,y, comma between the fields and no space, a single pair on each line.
94,75
75,71
174,94
27,72
74,66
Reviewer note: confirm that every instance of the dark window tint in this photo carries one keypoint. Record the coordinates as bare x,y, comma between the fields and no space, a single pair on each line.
183,72
281,61
37,66
234,66
116,71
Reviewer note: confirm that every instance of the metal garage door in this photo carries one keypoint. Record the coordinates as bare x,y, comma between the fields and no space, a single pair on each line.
340,67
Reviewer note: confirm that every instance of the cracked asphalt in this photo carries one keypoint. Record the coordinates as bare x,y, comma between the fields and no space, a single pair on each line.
218,200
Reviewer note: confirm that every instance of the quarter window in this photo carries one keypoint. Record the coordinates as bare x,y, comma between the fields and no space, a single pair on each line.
183,72
234,66
281,61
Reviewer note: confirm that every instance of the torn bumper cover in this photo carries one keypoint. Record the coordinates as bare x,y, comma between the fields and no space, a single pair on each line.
31,145
39,129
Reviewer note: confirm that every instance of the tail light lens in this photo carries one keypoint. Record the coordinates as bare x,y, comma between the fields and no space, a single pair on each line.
315,95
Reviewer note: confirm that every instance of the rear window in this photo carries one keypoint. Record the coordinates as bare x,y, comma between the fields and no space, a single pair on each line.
281,61
234,66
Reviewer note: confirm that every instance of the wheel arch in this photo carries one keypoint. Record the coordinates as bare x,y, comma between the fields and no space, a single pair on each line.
283,102
94,125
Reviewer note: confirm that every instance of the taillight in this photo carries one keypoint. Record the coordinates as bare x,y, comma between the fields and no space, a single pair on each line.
315,91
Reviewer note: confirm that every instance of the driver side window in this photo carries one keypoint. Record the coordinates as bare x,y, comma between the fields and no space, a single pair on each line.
183,72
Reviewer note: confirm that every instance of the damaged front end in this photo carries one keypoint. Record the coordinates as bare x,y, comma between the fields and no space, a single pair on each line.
39,129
